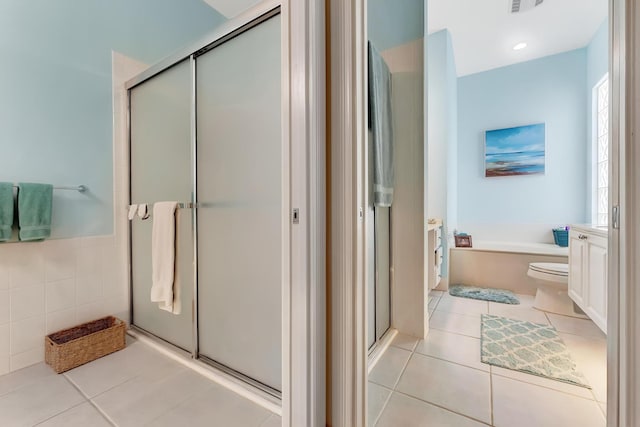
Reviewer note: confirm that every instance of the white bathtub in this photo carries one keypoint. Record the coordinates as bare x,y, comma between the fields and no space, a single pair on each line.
501,264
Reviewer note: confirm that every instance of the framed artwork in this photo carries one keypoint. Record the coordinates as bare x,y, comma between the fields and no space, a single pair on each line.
463,241
515,151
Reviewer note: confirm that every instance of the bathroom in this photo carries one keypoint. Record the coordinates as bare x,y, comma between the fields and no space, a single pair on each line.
99,107
67,74
478,82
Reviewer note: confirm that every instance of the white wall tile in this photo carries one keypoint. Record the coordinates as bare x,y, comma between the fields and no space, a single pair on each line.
4,340
60,295
114,307
5,367
27,302
4,307
88,289
27,358
89,262
94,241
27,334
60,260
61,320
5,263
112,283
56,284
91,311
27,265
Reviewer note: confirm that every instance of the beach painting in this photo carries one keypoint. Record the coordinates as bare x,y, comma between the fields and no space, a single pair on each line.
515,151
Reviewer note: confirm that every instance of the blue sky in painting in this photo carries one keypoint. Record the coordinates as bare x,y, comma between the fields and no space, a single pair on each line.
515,140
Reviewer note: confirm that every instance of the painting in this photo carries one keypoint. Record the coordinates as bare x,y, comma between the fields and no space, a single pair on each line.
515,151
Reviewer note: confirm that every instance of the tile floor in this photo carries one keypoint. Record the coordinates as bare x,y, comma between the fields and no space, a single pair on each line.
136,386
440,381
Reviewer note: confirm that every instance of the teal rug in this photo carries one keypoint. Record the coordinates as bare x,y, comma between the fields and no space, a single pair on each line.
485,294
528,347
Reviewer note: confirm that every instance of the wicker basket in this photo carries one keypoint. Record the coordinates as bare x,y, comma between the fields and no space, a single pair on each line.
76,346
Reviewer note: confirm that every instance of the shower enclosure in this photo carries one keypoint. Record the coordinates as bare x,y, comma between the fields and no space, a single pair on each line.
206,131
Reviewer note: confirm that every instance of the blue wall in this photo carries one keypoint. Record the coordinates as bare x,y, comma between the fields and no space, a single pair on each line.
549,90
597,67
55,91
393,23
442,132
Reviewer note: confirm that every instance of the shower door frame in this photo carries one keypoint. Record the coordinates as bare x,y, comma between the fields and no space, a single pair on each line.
303,186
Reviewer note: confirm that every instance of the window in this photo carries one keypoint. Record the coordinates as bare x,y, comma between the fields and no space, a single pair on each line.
601,152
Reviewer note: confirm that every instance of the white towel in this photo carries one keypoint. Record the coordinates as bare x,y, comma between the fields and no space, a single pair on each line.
165,289
133,209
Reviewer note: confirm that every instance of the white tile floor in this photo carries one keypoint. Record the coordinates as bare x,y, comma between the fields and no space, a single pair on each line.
441,381
136,386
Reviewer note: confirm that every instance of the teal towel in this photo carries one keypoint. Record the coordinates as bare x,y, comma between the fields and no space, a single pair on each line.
6,210
34,210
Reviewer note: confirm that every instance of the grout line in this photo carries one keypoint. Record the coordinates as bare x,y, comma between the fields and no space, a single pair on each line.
384,406
587,337
413,352
100,393
96,407
477,316
61,412
544,386
442,407
455,363
404,368
451,332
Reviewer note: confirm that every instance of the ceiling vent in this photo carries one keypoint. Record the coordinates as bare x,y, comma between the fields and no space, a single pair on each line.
518,6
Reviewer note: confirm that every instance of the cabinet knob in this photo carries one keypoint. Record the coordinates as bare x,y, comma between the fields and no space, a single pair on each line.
582,237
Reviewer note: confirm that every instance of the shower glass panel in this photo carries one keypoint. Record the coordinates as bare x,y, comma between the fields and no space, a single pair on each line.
383,265
239,175
161,169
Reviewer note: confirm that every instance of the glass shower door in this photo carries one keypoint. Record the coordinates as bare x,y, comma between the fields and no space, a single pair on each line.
239,174
161,170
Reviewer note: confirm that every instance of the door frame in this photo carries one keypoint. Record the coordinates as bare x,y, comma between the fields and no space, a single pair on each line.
623,353
347,326
346,233
303,133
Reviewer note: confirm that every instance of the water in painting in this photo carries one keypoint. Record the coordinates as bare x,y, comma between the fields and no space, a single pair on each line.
515,151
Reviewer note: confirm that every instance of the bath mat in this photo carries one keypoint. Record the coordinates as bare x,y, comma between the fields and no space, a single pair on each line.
528,347
486,294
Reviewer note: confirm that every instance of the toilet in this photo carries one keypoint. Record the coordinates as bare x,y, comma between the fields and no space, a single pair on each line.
552,294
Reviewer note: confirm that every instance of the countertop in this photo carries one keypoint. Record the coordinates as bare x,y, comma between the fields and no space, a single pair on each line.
600,230
433,223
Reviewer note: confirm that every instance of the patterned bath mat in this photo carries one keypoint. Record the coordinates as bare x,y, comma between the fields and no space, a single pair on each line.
485,294
528,347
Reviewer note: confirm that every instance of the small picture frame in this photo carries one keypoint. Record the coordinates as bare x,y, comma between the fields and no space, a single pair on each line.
463,241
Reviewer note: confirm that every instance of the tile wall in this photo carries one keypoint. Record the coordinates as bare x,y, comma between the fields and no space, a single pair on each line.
52,285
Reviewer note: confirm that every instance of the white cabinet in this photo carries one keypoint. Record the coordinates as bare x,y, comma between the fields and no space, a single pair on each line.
588,272
435,254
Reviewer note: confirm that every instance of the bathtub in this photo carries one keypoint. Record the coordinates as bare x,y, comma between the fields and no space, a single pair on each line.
501,264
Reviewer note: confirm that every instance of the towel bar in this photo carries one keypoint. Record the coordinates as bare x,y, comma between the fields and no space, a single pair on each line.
188,205
78,188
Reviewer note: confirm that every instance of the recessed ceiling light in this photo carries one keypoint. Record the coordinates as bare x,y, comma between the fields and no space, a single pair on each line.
520,46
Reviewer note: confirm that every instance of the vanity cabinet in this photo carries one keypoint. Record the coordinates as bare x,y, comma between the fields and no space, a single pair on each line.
588,272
